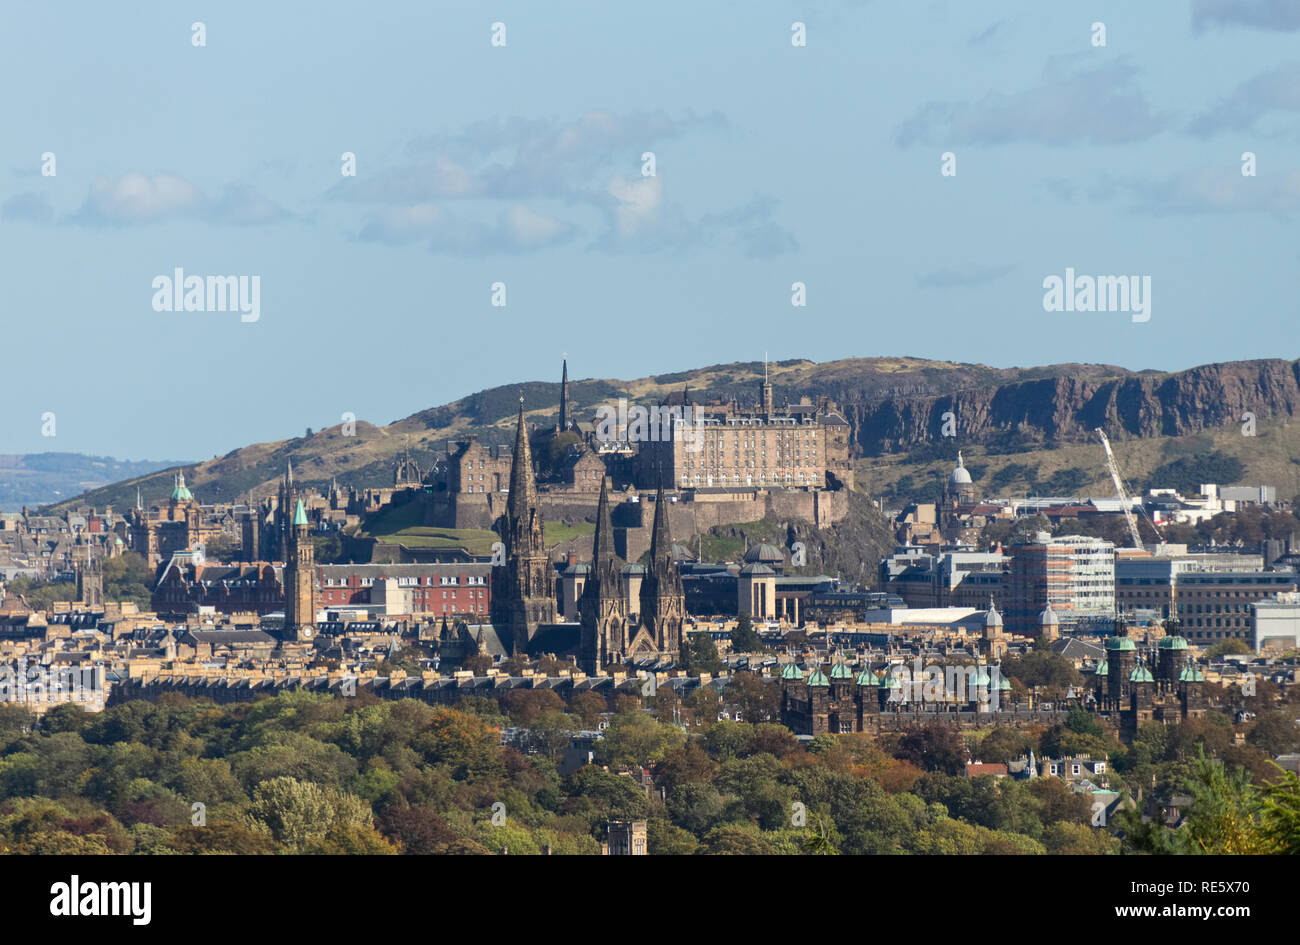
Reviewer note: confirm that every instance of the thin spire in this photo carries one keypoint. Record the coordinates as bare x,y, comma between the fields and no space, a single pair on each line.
602,548
522,484
661,539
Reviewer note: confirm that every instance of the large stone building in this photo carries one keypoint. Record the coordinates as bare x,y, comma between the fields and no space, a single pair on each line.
526,599
1075,574
728,446
1136,688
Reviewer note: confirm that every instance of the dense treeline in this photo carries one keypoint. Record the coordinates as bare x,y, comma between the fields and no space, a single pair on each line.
305,773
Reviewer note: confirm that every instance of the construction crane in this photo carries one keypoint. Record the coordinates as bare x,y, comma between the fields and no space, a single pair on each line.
1126,505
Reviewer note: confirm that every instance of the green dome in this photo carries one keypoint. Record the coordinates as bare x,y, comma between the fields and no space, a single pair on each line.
1004,684
791,671
867,678
1120,643
1172,643
1103,669
841,671
1191,673
1140,674
180,493
818,678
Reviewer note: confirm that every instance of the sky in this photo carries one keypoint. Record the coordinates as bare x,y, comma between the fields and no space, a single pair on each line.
479,162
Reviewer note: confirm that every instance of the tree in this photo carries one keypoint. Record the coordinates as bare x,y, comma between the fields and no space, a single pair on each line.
588,706
700,655
756,699
1227,648
744,638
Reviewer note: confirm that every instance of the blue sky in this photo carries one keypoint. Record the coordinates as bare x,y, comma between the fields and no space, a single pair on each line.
522,164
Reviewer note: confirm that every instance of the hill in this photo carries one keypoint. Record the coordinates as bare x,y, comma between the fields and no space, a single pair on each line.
896,407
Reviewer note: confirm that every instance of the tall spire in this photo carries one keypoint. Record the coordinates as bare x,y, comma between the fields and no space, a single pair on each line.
288,472
602,547
523,486
661,539
564,396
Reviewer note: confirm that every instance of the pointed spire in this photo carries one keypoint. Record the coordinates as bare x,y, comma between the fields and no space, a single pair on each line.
288,473
299,514
138,503
523,486
564,396
661,539
602,548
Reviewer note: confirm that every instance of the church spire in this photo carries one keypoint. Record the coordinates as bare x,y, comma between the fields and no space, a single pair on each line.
661,539
523,486
602,548
564,396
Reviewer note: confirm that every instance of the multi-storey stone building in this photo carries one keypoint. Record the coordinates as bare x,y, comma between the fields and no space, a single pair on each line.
1075,574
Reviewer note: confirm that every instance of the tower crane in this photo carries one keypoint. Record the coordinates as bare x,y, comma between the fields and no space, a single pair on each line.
1125,504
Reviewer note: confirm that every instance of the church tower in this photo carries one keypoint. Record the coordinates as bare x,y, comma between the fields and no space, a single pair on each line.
90,577
300,580
663,601
603,605
527,598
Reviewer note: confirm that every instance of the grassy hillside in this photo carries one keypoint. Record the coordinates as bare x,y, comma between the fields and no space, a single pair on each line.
1271,457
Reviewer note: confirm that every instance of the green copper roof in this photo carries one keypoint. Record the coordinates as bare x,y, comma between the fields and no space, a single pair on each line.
1004,684
300,514
1191,673
1103,669
867,678
181,493
841,671
1172,643
818,678
1120,643
791,671
1140,674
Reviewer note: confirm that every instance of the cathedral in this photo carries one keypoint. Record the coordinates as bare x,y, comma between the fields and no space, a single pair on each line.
524,601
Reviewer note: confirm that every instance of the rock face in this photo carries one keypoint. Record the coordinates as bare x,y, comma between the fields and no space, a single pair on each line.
1068,408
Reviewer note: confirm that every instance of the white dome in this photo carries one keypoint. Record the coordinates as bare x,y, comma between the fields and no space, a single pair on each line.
960,477
1048,617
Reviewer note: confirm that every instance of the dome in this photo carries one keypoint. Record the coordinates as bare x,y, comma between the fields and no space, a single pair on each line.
180,493
1120,643
756,569
1048,617
764,553
867,678
959,477
791,671
818,678
1103,669
1172,643
1140,674
992,618
841,671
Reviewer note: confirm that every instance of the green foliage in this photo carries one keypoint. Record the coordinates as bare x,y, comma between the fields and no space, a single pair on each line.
1187,474
744,638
